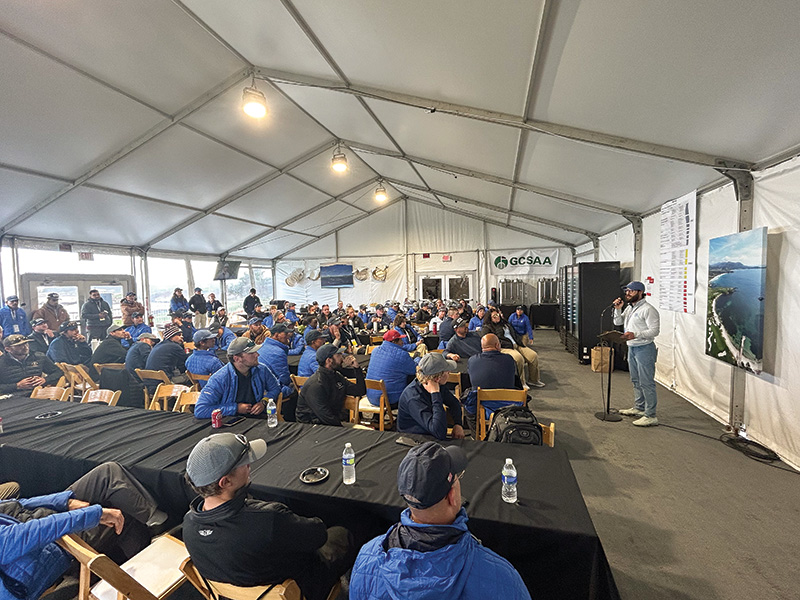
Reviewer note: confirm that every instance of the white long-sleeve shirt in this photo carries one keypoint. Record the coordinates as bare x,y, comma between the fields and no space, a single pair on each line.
641,319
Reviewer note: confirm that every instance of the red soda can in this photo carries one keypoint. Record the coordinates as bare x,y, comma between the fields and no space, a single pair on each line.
216,418
435,328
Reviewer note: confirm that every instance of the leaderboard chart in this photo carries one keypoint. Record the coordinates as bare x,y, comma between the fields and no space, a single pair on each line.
678,254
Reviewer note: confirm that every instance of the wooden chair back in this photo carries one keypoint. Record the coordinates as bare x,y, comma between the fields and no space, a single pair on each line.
196,379
185,400
279,406
109,397
188,346
298,382
549,434
115,366
495,394
78,379
383,409
50,393
455,378
145,374
163,393
153,574
212,590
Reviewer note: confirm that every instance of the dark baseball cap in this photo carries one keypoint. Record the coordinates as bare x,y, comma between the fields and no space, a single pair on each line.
202,334
135,314
255,320
217,455
460,322
12,298
326,351
36,322
312,335
15,340
427,473
52,296
67,325
278,328
334,321
520,308
131,294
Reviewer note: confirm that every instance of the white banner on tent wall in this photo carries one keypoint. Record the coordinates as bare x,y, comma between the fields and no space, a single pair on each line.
678,254
523,262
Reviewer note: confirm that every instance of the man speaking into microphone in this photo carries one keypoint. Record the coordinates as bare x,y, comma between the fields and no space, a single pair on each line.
642,324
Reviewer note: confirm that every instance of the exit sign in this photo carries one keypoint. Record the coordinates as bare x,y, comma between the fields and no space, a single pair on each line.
426,255
85,256
446,258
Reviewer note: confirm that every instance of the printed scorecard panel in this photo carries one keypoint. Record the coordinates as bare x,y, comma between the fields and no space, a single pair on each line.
678,261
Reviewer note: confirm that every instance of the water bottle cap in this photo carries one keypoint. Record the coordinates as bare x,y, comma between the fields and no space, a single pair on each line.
509,461
347,445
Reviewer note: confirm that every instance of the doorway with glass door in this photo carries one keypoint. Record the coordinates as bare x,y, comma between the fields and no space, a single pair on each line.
447,286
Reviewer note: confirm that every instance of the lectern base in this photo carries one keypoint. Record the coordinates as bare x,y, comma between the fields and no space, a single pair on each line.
610,417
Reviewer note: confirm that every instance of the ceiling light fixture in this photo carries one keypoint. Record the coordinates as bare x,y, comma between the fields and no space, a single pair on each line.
339,160
380,192
254,103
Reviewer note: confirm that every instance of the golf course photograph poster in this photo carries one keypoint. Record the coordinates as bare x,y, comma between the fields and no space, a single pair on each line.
737,277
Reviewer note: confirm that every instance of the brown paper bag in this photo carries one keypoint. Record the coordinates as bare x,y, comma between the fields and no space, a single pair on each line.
600,358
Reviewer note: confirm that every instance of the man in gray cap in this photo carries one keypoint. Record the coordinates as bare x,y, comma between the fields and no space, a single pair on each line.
321,399
23,370
642,325
236,539
241,387
138,353
308,365
430,553
110,349
421,408
203,360
13,319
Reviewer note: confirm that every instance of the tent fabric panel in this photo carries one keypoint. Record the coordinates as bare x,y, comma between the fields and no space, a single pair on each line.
275,202
182,166
567,237
88,214
57,121
21,191
326,219
147,48
342,114
654,71
318,173
379,234
568,214
393,288
452,140
275,244
467,187
388,166
265,33
419,47
211,234
285,133
499,238
618,245
323,247
435,230
306,291
632,182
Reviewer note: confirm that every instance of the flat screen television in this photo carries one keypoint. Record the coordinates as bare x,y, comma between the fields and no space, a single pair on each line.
227,269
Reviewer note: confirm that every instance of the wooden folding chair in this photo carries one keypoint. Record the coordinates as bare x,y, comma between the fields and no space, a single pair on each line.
109,397
549,434
279,406
490,395
383,409
196,379
185,400
165,392
50,393
154,376
78,379
115,366
188,346
298,382
153,574
455,378
212,590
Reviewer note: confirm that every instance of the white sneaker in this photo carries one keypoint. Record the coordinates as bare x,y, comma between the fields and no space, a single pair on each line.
538,384
646,422
632,412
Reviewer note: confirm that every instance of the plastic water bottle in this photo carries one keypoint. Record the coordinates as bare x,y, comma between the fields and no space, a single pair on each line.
509,482
348,465
272,413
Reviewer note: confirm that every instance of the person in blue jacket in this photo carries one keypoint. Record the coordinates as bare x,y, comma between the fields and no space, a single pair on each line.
291,314
224,336
522,325
392,363
297,343
136,329
13,319
308,365
476,322
178,303
431,554
412,338
31,561
274,353
241,386
203,359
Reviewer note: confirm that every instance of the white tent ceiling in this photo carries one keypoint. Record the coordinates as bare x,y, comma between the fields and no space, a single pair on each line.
121,121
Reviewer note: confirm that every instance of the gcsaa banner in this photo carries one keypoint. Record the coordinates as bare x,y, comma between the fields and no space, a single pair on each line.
523,262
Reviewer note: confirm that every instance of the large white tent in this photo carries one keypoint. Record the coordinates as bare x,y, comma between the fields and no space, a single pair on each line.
493,126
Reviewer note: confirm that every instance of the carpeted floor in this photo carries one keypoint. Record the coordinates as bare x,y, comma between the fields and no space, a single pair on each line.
680,514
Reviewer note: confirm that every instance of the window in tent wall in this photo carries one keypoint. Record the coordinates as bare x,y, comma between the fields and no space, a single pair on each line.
237,289
165,275
203,275
262,276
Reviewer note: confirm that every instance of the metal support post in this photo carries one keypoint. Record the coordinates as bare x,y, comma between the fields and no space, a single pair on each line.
636,223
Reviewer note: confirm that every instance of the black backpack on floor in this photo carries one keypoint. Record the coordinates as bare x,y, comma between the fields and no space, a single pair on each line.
515,424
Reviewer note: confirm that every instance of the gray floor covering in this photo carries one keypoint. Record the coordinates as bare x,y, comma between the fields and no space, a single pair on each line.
680,515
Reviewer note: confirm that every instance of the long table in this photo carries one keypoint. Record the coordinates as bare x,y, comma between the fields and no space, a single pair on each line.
548,535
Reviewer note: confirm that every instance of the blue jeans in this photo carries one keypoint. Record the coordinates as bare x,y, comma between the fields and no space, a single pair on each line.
642,364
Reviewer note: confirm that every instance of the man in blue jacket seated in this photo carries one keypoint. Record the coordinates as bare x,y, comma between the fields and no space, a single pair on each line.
203,359
274,353
491,369
522,325
421,406
240,387
430,553
315,339
138,328
108,507
392,363
224,335
70,347
137,355
296,342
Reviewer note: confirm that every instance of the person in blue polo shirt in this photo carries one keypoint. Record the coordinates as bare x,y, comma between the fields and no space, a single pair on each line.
522,325
241,386
203,359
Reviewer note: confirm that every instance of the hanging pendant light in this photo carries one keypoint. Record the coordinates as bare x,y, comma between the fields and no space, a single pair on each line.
339,160
380,193
254,103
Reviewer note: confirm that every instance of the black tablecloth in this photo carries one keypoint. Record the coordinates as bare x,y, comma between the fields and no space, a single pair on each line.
548,535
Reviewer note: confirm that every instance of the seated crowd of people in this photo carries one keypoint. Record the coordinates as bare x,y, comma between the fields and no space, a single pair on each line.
429,553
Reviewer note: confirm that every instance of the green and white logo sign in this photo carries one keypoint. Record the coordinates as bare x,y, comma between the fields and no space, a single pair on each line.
523,262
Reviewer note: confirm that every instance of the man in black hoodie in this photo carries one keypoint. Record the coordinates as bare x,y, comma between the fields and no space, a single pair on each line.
97,314
198,304
233,538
